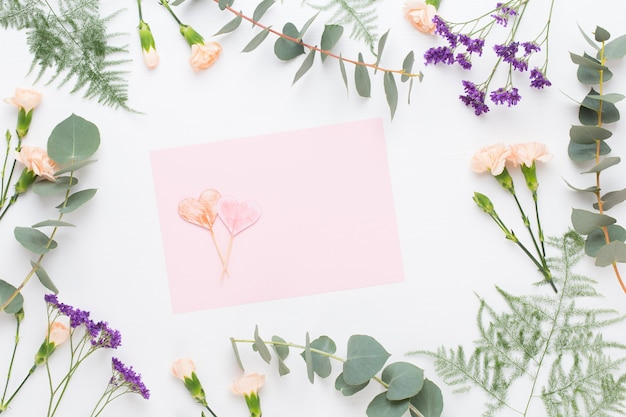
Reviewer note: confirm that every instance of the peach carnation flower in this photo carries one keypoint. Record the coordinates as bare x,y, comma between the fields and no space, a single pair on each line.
25,98
490,158
527,153
204,55
420,14
183,368
59,333
37,160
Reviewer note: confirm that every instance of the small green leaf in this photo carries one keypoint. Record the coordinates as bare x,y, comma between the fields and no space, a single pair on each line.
344,75
261,8
74,139
43,277
588,112
588,75
365,357
429,401
330,37
613,252
362,78
223,4
592,189
75,166
407,66
306,65
585,222
611,199
53,223
306,26
6,291
308,359
596,239
230,26
347,389
604,164
321,363
601,34
581,153
616,49
282,351
410,89
587,62
260,346
609,98
61,185
588,39
588,134
381,47
404,380
34,240
257,40
76,200
236,352
391,92
286,49
380,406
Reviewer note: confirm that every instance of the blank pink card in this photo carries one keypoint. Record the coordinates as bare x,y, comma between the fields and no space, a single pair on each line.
275,216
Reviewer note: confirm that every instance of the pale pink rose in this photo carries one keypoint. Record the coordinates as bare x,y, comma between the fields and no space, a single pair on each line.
151,58
37,160
59,333
183,367
528,152
203,56
25,99
248,384
420,15
490,158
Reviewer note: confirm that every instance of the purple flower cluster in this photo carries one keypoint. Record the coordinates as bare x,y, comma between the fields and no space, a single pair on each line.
501,96
503,14
508,53
474,97
125,376
538,79
100,333
446,54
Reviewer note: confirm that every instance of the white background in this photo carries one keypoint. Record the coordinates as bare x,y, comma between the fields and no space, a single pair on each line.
112,264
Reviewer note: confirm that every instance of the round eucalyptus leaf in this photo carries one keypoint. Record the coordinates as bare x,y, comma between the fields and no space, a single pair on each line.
596,239
34,240
601,34
429,401
286,49
613,252
585,222
61,185
611,199
76,200
380,406
579,152
404,379
365,357
74,139
6,291
330,37
616,49
347,389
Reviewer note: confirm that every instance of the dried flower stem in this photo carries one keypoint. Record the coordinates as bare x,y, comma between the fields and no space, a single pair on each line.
315,48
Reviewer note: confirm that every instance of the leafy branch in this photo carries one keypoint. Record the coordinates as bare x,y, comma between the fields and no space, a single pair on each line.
405,388
552,341
605,239
71,42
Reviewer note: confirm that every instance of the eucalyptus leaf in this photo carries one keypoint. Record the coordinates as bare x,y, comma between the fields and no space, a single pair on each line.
588,134
53,223
601,34
381,47
34,240
404,380
580,153
611,199
74,139
407,66
588,39
380,406
391,92
223,4
603,164
429,401
362,78
592,189
260,346
230,26
596,239
261,8
308,359
613,252
347,389
321,363
282,351
585,222
236,352
365,357
286,49
587,62
306,65
591,76
257,40
609,98
344,75
61,185
75,166
410,89
306,26
76,200
588,113
616,49
6,291
330,37
43,276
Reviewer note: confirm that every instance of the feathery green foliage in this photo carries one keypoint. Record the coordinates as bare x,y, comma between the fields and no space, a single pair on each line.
361,14
550,345
70,42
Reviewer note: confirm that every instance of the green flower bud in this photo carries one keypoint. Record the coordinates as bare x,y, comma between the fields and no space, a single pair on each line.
145,35
194,387
483,202
191,36
26,180
506,181
45,350
530,174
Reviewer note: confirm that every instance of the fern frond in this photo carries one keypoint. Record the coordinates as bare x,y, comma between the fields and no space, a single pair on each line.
360,14
72,44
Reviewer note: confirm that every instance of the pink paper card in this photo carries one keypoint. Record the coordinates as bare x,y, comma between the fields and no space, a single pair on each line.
276,216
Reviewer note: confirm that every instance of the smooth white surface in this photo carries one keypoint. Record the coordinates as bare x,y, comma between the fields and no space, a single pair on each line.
112,263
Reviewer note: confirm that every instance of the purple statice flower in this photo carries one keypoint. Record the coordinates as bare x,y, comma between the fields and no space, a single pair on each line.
538,79
472,45
440,54
501,96
508,52
442,29
503,14
125,376
463,61
474,97
530,47
104,336
77,316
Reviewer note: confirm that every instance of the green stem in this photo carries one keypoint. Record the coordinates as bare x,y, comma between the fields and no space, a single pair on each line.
166,4
6,387
30,372
140,11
